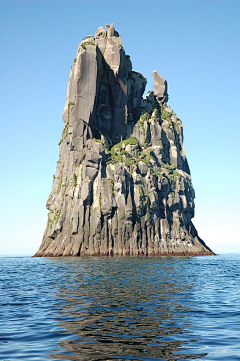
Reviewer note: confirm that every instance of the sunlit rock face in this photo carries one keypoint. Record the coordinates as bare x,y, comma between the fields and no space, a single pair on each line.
122,184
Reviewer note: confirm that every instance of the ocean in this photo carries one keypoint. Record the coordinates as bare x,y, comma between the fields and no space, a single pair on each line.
120,308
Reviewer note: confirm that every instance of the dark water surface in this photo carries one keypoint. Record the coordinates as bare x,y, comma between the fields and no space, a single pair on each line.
120,308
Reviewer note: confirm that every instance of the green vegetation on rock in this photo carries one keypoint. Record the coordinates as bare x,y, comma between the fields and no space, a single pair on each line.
140,190
172,172
120,154
166,115
65,185
57,215
144,117
112,186
74,180
59,185
87,43
70,103
176,127
50,222
98,141
65,132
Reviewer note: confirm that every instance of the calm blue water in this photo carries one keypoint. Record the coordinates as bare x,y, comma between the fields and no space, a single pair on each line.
120,308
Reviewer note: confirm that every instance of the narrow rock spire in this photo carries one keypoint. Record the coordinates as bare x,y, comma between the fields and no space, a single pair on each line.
160,88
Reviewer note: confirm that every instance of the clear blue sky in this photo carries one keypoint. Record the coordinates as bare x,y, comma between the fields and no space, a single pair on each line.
194,44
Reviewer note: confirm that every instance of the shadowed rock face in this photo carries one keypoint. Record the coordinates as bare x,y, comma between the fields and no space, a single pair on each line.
122,184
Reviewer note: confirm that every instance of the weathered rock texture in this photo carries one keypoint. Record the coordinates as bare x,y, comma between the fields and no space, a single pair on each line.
122,184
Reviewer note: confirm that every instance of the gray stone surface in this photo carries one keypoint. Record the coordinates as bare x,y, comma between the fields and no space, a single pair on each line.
160,88
122,184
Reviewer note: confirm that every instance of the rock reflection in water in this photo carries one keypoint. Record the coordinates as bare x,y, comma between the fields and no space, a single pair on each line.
126,308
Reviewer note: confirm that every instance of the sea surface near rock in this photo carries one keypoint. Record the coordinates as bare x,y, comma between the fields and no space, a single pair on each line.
120,308
122,184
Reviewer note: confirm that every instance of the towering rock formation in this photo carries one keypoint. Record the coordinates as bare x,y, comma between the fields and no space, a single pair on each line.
122,184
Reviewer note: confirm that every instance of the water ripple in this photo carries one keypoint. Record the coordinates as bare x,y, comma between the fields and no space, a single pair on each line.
120,308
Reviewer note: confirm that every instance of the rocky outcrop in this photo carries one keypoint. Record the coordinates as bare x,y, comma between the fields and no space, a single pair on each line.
160,88
122,184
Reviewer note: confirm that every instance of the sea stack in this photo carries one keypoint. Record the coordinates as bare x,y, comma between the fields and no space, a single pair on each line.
122,184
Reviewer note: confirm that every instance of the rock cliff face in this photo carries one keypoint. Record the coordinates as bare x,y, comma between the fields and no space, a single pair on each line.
122,184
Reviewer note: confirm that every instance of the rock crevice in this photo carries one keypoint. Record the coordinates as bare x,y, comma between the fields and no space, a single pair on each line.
122,184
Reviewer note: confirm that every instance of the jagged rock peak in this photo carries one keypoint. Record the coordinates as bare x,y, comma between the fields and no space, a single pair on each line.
122,184
160,88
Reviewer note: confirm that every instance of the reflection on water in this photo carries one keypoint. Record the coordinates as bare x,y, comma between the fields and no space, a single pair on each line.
126,308
120,308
